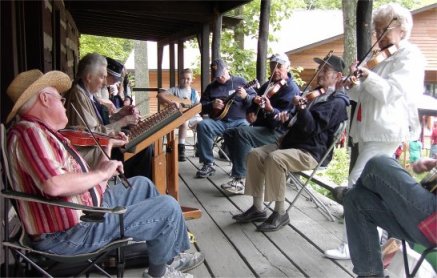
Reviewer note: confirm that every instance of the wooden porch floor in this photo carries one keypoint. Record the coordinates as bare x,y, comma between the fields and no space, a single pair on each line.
237,250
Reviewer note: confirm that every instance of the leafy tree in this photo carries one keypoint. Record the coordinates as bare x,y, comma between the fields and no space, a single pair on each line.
115,48
243,61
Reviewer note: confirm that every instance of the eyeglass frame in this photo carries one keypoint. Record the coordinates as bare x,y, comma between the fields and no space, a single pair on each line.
62,99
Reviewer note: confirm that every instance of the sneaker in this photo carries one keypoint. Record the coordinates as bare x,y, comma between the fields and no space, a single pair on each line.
206,171
170,272
235,186
187,261
341,253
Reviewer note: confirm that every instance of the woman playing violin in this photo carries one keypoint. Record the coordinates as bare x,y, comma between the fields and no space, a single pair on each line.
386,113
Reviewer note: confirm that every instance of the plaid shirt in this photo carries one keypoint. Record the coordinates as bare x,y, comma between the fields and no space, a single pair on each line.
36,154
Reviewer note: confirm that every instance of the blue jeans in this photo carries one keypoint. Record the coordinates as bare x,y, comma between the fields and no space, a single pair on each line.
241,140
387,196
207,131
150,216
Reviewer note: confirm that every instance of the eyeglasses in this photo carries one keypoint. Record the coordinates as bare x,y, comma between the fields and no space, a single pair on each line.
378,32
62,99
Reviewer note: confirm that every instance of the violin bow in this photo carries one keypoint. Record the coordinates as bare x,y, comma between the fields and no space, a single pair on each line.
373,45
123,178
325,61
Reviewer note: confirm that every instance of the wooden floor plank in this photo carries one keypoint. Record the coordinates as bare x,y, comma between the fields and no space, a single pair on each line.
254,247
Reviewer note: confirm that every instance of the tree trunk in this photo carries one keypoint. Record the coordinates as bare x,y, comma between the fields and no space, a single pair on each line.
364,19
349,26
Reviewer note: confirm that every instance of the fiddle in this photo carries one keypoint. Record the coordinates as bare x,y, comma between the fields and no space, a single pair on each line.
270,91
310,96
83,138
378,57
275,88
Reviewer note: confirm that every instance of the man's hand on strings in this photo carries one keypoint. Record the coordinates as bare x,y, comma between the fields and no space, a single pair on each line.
218,104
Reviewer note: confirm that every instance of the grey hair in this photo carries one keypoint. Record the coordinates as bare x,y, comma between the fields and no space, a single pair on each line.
90,64
386,12
29,103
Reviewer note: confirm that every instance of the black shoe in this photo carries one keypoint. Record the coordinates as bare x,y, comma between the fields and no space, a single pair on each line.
181,152
250,215
274,222
339,193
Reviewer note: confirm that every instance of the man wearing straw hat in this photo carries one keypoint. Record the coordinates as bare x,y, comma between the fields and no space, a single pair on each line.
43,162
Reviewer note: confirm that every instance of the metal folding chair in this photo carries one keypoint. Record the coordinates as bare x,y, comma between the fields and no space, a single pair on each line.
47,263
428,250
303,186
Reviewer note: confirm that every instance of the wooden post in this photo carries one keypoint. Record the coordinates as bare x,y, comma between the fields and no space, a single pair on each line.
180,57
160,50
171,49
262,41
216,36
204,56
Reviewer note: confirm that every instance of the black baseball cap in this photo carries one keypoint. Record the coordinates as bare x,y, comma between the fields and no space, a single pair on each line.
114,68
333,61
218,66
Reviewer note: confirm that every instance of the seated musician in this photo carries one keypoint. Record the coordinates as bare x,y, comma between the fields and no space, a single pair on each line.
43,162
301,148
187,96
386,196
274,96
212,98
91,77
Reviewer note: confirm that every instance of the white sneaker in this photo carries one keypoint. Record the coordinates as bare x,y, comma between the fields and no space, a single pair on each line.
170,272
235,186
187,261
341,253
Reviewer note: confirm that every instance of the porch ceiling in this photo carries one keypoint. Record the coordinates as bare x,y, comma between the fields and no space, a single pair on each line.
161,21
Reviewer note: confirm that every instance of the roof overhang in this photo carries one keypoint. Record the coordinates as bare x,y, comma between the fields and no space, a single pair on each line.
160,21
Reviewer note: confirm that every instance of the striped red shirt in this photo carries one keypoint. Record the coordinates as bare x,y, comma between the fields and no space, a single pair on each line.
36,153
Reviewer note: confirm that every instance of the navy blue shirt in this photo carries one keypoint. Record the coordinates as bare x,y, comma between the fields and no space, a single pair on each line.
221,91
315,127
281,101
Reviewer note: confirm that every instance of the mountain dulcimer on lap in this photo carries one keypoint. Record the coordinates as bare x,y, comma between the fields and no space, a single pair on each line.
153,130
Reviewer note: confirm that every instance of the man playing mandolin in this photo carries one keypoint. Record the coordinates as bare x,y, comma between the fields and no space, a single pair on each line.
226,100
273,97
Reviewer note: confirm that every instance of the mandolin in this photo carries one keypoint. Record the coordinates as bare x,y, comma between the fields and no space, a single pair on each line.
219,114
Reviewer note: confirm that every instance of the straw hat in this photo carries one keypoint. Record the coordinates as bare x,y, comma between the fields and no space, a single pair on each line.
28,83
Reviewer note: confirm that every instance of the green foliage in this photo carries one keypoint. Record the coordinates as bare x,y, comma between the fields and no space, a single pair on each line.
338,168
115,48
335,4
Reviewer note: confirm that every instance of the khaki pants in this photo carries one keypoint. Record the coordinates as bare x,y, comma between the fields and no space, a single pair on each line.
269,165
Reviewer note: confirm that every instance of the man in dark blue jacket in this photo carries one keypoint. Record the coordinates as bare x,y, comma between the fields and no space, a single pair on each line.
301,148
226,100
274,96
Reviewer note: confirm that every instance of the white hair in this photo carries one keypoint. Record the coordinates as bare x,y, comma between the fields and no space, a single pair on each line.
90,64
387,12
